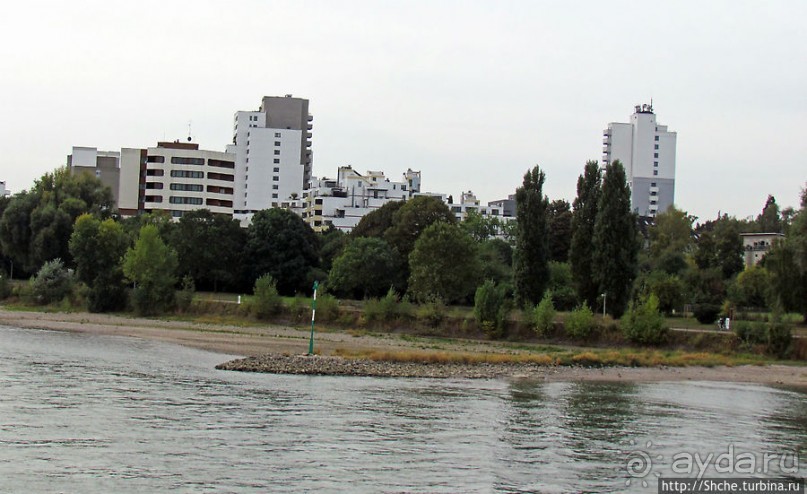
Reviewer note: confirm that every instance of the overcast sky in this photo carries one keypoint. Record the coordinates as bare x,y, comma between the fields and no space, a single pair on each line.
470,93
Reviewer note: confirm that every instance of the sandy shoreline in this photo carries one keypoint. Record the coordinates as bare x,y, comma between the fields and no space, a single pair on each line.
279,349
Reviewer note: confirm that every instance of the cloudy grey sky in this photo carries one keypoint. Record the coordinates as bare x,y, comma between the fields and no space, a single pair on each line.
472,93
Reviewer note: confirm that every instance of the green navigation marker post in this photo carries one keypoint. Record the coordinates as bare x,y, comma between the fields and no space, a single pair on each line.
313,315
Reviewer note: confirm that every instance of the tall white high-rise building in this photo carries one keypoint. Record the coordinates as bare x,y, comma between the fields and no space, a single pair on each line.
647,151
273,154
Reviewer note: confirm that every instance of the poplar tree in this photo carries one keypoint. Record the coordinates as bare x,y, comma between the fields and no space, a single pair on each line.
581,250
531,261
615,244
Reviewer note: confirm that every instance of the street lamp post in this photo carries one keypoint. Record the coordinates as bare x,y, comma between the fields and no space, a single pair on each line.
603,303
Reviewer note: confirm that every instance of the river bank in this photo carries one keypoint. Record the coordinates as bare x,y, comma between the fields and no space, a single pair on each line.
280,349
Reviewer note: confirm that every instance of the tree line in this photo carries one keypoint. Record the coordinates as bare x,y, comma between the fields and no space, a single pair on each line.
594,253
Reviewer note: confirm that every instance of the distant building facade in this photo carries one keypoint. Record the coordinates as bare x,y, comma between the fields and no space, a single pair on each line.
342,202
756,245
273,155
104,165
647,151
507,206
470,204
4,190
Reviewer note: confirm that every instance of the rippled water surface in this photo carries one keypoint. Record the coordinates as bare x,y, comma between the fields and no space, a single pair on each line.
83,413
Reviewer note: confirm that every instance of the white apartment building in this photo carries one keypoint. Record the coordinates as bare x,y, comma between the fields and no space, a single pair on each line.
273,156
344,201
647,151
469,203
756,245
177,177
4,190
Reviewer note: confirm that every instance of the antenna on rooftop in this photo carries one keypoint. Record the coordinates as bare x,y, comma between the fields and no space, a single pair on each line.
189,131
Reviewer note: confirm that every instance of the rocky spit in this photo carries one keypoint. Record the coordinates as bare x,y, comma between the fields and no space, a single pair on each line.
338,366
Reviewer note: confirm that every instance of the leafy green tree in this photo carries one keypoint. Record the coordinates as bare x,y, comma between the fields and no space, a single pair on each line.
368,267
581,249
490,309
332,243
560,230
562,286
36,225
544,315
496,259
616,245
413,218
531,260
671,232
376,223
209,248
151,265
443,265
670,290
267,302
281,244
97,248
480,227
752,287
720,246
787,275
770,221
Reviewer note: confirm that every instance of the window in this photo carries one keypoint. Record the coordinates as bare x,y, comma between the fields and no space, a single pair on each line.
652,203
652,184
155,159
276,169
277,152
654,193
277,143
655,164
154,185
221,164
277,134
180,160
275,186
186,174
154,198
274,196
655,155
656,146
276,161
655,172
656,140
187,187
196,201
275,178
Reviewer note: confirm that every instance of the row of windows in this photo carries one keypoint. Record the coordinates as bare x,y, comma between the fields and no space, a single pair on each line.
182,160
196,201
194,174
187,187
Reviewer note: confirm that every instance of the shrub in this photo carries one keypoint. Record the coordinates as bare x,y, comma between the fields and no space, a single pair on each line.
382,309
185,296
779,336
432,313
488,309
644,323
267,301
706,313
52,283
751,333
544,315
5,286
299,308
580,322
327,307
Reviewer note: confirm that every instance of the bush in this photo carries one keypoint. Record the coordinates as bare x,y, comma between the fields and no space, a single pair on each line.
779,336
644,323
580,322
751,333
489,309
544,315
52,283
432,313
327,307
706,313
300,308
185,296
5,287
267,301
385,308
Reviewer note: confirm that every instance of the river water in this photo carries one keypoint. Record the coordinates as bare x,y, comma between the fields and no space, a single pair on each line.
83,413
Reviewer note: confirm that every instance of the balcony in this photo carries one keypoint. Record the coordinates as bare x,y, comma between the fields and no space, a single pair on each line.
311,118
